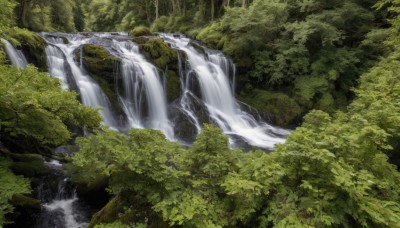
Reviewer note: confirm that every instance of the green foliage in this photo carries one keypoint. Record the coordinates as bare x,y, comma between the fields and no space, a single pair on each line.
330,172
117,225
6,12
46,15
276,106
10,186
34,106
140,31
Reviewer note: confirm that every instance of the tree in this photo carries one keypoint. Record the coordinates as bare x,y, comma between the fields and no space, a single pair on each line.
34,107
6,12
10,185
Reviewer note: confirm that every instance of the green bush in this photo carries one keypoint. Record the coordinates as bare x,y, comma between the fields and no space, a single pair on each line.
140,31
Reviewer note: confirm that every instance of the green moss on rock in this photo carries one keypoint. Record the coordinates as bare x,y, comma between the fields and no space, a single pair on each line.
100,65
28,165
31,44
140,31
157,51
282,109
160,54
173,86
26,202
126,208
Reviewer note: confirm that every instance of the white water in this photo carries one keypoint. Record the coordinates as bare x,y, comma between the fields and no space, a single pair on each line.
217,94
90,92
56,63
141,81
61,207
16,57
65,205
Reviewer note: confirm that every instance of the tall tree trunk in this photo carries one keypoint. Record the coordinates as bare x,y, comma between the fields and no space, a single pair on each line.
212,9
147,6
173,4
244,3
24,6
156,6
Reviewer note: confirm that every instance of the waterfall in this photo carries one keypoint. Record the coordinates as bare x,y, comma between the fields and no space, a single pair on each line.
90,92
207,81
212,71
16,57
141,83
62,207
56,63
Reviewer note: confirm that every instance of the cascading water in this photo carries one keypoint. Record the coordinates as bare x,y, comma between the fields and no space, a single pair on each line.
216,91
141,82
61,206
90,92
142,96
17,58
56,62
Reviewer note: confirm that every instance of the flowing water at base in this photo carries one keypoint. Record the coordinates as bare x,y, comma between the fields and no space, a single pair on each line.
61,206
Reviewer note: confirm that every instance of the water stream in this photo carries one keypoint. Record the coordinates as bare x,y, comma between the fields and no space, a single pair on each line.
16,57
212,70
61,206
90,92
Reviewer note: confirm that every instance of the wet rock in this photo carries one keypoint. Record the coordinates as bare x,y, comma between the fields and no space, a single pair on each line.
160,54
101,67
26,202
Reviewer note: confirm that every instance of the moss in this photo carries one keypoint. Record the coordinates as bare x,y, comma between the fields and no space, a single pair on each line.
140,31
279,107
160,54
28,165
157,51
173,86
100,65
126,208
31,44
25,202
140,40
99,183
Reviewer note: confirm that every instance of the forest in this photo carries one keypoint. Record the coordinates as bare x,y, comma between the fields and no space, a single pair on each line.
324,75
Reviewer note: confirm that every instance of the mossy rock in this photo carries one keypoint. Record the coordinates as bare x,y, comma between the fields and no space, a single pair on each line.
127,208
32,45
279,107
173,86
28,165
26,202
33,168
157,51
85,189
100,66
140,31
